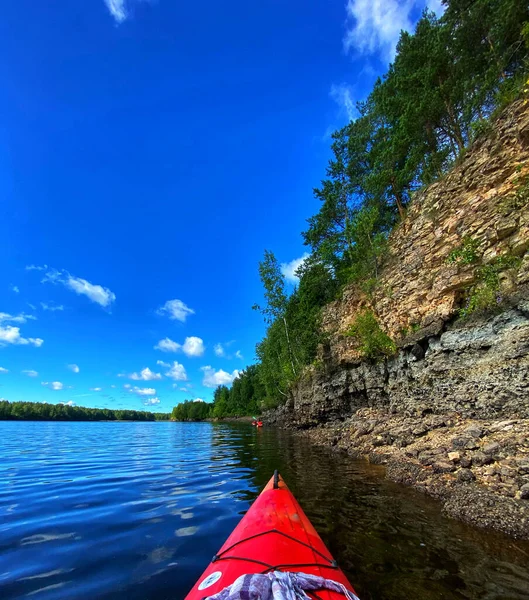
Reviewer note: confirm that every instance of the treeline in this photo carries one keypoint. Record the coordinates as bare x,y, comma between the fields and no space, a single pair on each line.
245,397
191,410
447,82
40,411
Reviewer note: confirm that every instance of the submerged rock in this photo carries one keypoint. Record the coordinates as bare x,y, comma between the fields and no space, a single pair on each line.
429,463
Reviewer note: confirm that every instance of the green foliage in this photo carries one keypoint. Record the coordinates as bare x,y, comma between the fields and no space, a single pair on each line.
437,96
511,90
40,411
274,288
244,398
485,295
292,338
480,128
369,247
247,396
518,199
412,328
466,253
525,34
318,364
374,342
191,410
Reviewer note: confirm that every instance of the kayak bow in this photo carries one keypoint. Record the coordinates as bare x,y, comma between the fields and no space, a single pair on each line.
275,534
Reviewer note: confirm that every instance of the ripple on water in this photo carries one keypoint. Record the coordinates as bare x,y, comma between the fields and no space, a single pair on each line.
136,510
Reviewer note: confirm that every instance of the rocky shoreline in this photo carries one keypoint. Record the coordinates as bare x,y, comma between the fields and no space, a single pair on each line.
448,413
478,469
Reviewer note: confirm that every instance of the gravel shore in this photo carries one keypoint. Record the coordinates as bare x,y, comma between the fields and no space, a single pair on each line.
479,469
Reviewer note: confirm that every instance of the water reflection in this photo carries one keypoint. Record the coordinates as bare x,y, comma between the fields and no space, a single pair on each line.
136,510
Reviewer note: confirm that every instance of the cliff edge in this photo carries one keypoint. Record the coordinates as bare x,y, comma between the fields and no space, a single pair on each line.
448,408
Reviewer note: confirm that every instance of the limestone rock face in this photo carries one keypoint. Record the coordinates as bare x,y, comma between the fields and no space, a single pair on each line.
479,368
417,286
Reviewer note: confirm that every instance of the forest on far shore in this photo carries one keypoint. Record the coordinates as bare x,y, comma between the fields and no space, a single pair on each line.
41,411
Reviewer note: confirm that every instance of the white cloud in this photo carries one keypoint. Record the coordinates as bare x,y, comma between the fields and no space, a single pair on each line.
96,293
96,389
167,345
14,288
30,372
176,310
73,368
289,269
177,372
342,94
53,385
51,307
198,400
193,346
145,375
142,391
214,378
20,318
181,389
221,352
127,386
117,9
4,370
151,401
374,26
113,386
162,363
11,335
69,403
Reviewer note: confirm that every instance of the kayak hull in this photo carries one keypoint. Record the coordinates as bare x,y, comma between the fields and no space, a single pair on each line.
275,534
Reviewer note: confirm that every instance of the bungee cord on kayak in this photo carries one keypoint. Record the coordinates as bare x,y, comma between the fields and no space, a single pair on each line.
332,564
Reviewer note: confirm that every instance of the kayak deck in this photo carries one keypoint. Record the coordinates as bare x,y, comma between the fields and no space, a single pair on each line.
275,534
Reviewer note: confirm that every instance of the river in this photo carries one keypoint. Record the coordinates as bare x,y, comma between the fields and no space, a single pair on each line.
137,510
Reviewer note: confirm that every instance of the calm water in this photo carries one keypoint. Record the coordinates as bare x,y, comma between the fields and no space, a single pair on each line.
136,511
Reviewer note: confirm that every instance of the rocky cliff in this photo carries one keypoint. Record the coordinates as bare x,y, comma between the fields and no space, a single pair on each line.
486,199
468,372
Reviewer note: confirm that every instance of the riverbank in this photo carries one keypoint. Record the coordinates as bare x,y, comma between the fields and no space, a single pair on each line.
428,373
478,469
230,420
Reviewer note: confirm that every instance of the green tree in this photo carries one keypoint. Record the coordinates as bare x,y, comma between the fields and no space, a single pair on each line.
276,299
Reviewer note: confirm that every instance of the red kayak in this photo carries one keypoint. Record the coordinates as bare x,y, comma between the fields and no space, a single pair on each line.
275,534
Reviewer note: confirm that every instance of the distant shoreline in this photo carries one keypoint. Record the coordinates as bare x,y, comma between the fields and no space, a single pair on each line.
42,411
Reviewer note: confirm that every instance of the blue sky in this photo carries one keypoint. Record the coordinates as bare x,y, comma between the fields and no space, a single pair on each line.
149,152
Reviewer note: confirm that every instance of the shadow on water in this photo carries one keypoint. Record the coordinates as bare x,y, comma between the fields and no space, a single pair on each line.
136,510
393,542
